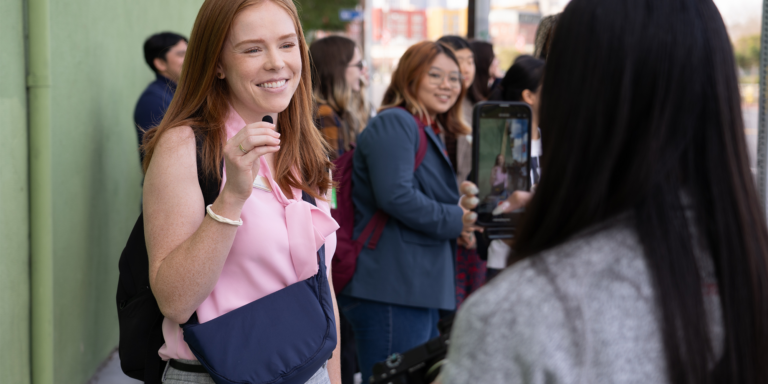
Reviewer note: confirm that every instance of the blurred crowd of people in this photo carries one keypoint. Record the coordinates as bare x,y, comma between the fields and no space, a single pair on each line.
643,254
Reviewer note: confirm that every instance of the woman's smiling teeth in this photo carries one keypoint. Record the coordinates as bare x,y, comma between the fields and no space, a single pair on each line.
273,84
443,98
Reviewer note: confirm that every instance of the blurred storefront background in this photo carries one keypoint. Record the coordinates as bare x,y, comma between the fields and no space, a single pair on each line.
510,25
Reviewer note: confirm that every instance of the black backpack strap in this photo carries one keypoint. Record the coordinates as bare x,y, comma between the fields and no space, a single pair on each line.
210,184
321,252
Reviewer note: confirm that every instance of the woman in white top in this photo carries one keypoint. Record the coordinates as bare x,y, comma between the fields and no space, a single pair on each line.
522,83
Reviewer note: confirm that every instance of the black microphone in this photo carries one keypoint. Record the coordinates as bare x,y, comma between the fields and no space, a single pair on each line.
267,119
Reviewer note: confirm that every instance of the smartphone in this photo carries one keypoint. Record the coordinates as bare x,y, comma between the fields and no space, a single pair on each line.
501,161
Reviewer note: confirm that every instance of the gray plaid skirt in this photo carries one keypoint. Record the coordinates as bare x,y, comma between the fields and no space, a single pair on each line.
174,376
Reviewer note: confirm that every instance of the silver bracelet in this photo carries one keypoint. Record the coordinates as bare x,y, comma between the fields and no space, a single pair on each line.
222,219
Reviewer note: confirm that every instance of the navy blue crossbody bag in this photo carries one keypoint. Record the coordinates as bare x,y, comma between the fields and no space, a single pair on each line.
282,338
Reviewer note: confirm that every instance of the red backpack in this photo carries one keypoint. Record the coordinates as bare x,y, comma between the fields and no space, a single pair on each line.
347,249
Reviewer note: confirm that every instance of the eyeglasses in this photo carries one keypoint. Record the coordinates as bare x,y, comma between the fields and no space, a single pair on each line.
360,65
436,78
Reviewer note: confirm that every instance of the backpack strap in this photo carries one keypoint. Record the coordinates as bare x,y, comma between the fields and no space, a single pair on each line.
210,185
379,220
377,224
423,140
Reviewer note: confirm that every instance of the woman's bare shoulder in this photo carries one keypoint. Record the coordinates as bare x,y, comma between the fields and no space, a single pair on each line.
176,146
177,136
174,159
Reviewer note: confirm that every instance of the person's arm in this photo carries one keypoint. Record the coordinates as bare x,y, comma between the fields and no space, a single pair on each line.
389,147
186,247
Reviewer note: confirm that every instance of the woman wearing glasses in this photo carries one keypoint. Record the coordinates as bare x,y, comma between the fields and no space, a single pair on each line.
337,67
398,288
470,268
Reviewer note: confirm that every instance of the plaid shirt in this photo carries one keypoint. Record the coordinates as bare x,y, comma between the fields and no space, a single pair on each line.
330,126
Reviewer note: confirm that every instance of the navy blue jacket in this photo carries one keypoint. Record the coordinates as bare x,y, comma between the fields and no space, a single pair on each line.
413,263
152,104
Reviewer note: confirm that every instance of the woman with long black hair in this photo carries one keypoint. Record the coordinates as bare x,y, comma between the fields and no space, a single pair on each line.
642,257
487,68
521,83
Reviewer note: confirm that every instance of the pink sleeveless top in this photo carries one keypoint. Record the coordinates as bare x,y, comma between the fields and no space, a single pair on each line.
275,247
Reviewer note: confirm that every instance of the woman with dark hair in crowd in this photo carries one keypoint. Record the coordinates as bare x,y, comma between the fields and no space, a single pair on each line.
337,66
643,256
399,287
487,67
247,63
470,269
338,72
466,58
361,105
521,83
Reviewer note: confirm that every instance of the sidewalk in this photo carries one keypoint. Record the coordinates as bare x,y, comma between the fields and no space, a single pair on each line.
110,373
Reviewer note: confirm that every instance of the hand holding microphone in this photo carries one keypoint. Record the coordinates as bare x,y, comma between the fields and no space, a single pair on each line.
242,153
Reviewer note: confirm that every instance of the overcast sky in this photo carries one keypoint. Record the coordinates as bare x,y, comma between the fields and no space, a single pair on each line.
739,11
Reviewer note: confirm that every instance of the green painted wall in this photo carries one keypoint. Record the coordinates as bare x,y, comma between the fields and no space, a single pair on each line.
14,193
97,74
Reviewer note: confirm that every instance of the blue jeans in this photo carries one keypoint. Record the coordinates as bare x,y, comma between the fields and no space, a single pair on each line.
382,329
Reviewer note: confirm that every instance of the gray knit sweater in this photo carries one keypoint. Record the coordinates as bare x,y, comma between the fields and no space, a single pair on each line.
583,312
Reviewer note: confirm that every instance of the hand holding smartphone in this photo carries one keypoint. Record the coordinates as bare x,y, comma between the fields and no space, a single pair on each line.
501,141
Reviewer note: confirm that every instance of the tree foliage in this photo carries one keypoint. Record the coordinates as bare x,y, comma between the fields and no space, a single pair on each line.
747,50
323,14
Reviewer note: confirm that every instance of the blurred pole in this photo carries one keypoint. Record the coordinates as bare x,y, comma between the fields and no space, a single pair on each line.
368,45
482,9
471,19
762,135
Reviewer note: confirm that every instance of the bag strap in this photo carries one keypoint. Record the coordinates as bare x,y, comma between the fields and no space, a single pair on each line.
423,143
320,253
209,183
377,224
379,220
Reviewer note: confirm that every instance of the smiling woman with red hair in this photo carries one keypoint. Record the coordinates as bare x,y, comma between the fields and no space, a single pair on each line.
247,63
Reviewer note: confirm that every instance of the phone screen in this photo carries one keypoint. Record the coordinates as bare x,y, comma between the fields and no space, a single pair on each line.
502,163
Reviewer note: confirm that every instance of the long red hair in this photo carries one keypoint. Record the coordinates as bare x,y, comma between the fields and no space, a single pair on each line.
202,103
406,79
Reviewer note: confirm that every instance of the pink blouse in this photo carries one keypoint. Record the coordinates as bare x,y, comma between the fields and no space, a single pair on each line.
275,247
